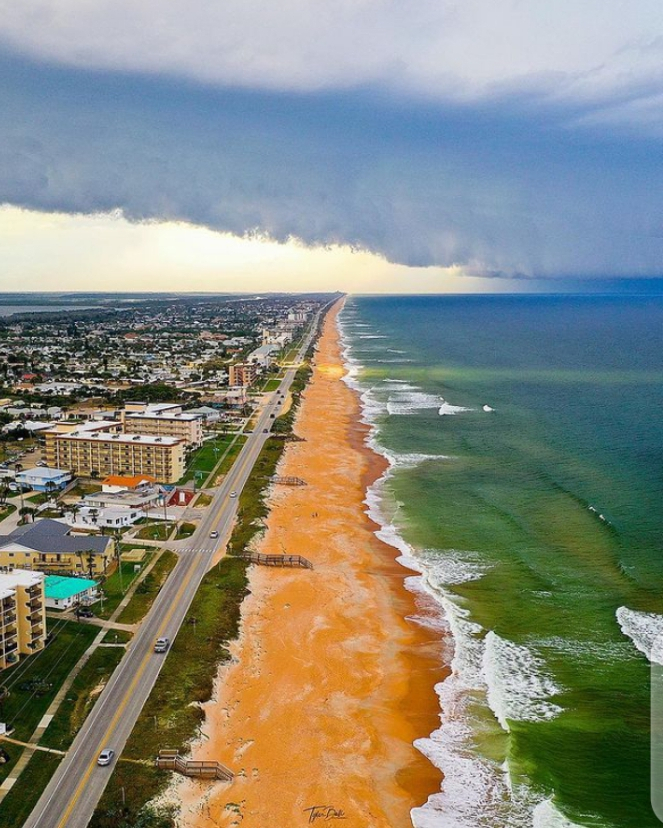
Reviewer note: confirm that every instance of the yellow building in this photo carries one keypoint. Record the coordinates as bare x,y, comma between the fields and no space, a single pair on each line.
48,546
101,454
22,615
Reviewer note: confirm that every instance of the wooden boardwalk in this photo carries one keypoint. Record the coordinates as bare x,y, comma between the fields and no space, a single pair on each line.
171,760
278,560
280,480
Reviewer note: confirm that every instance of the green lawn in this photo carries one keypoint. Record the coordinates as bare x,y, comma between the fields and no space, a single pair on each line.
83,488
148,589
271,384
6,509
81,697
204,459
115,587
204,500
185,530
117,637
155,531
170,717
22,798
35,680
229,459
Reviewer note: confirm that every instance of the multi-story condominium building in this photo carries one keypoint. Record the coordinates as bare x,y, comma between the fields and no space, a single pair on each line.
163,421
22,615
242,373
100,454
48,546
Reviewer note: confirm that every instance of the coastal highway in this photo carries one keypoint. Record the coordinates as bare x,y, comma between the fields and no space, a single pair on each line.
72,794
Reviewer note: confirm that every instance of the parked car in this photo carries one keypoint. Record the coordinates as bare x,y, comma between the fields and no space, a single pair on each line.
41,463
105,757
161,645
84,612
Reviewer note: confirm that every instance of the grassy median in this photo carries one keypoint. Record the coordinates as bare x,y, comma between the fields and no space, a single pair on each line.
80,698
148,589
172,716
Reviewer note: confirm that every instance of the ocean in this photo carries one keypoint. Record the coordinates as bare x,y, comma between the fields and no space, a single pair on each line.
525,442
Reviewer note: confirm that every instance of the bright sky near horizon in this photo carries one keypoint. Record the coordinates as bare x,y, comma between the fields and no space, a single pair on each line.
365,145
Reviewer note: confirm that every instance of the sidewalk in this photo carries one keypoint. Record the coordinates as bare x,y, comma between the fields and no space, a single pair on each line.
33,743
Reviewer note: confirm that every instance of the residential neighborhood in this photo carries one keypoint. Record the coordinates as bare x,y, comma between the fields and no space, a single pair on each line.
118,429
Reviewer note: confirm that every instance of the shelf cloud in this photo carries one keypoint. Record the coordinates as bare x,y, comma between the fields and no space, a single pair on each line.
498,137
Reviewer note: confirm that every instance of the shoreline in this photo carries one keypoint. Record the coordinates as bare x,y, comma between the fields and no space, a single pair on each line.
331,654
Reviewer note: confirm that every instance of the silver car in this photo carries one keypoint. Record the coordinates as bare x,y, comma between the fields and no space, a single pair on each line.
105,757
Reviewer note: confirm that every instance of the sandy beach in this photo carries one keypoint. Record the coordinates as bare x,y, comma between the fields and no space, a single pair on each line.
331,680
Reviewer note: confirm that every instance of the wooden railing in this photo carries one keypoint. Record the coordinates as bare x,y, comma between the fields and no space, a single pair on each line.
288,481
171,760
278,560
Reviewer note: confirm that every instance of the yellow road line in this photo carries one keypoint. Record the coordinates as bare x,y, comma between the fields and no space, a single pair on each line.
122,706
136,678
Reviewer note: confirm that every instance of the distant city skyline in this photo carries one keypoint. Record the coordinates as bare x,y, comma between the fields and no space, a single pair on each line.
378,148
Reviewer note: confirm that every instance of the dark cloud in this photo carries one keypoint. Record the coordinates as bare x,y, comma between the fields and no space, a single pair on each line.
505,187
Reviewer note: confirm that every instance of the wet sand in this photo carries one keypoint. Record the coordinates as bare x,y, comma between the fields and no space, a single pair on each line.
329,684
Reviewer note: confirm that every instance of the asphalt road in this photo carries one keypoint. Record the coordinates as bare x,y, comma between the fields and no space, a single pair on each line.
74,791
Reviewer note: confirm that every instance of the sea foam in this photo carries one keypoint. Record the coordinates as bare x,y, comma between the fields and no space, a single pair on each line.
645,629
518,687
477,792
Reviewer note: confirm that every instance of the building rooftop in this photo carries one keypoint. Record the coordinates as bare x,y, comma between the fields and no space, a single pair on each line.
59,587
18,577
139,439
128,482
51,536
42,473
161,415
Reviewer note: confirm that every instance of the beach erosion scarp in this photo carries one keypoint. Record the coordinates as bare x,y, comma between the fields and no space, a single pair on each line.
331,680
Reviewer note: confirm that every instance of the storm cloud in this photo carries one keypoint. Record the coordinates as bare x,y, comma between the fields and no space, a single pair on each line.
507,184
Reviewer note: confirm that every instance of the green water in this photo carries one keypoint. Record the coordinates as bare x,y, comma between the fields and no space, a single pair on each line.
534,524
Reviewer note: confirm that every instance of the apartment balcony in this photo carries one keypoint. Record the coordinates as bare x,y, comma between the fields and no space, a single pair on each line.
7,619
8,647
36,605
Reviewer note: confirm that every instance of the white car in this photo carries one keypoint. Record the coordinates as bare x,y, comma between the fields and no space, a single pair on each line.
214,534
105,757
233,494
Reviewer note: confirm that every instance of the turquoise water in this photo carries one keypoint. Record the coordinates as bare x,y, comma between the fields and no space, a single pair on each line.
526,441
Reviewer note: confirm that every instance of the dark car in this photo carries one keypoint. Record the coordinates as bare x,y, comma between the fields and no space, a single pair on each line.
84,612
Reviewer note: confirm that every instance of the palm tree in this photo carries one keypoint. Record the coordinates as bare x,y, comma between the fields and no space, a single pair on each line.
18,467
27,511
90,563
50,488
74,509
